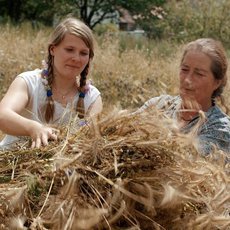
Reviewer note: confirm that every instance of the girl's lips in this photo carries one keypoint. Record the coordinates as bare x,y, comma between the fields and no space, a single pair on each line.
73,68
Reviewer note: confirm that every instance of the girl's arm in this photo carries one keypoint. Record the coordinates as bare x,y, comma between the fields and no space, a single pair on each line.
11,122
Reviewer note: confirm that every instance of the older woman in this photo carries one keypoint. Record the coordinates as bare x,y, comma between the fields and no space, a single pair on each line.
202,79
39,99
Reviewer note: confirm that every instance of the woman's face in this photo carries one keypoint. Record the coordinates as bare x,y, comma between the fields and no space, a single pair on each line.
197,82
70,57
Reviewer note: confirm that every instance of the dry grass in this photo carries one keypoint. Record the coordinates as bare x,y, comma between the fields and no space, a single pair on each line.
128,78
125,77
21,49
122,171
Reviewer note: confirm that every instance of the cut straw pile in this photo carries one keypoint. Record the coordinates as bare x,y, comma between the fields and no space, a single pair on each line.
121,171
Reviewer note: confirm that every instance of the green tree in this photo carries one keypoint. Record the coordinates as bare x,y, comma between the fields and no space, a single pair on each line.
36,10
94,12
188,20
10,8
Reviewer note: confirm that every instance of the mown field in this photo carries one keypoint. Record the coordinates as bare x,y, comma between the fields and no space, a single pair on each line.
122,172
126,70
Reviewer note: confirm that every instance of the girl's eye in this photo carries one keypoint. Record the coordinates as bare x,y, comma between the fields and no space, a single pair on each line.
84,53
69,49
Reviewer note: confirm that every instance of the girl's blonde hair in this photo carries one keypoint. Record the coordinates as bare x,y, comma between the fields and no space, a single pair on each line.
78,28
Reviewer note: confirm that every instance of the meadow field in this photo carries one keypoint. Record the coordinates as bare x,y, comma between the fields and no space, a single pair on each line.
127,70
123,172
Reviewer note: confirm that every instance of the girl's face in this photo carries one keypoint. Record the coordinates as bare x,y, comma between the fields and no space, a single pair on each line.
197,82
70,57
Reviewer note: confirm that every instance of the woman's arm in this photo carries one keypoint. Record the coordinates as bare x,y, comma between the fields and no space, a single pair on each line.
11,122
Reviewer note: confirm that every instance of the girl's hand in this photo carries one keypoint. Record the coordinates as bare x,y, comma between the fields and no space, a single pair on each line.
42,134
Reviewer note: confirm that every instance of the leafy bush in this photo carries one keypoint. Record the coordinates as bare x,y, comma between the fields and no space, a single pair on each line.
188,20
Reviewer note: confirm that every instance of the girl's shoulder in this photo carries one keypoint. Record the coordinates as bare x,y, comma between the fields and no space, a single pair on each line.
31,73
33,81
92,90
31,76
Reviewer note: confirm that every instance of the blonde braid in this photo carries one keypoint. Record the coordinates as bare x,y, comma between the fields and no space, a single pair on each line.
49,112
80,108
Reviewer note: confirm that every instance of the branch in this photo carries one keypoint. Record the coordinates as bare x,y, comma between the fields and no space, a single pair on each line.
83,10
80,3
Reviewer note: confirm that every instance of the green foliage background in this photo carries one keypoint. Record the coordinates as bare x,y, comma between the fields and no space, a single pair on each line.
179,20
188,20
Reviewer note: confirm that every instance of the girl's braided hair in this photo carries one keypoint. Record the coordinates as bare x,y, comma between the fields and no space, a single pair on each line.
78,28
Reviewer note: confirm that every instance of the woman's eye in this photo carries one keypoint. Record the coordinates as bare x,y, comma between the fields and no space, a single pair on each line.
199,74
184,70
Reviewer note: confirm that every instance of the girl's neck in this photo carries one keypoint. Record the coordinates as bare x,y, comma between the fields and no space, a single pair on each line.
64,85
64,90
64,95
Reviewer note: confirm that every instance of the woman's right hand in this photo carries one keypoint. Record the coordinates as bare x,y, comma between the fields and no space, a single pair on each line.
41,135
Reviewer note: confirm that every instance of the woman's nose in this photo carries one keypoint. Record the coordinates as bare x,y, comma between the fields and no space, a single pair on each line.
189,78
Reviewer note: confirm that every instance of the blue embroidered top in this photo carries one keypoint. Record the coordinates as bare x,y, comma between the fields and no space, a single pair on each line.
214,132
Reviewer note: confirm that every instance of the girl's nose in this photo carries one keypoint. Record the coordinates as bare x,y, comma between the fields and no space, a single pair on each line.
76,57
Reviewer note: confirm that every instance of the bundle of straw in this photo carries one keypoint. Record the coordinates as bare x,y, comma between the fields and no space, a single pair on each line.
121,171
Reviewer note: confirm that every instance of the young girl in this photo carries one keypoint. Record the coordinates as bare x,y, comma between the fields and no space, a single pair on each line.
37,100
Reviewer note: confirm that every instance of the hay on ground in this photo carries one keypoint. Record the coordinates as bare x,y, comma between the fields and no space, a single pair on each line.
122,171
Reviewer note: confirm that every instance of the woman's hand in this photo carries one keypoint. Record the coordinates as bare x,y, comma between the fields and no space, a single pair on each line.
41,134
